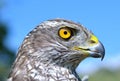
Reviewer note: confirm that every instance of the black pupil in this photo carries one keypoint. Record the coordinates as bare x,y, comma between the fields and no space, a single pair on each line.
65,32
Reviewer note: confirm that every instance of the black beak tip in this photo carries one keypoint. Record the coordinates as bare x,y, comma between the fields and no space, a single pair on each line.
103,53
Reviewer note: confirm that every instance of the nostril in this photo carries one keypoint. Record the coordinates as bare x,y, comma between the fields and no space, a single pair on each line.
92,41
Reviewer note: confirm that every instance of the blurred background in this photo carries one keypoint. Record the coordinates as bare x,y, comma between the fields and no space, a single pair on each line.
18,17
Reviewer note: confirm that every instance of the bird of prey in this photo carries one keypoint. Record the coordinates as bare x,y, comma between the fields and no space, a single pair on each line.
53,50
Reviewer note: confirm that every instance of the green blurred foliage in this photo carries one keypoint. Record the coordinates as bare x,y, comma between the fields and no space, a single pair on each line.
6,55
105,75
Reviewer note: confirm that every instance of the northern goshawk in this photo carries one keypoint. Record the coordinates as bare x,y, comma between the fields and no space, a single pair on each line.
53,50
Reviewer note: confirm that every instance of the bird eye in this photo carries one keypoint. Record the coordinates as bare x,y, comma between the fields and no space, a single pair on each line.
65,33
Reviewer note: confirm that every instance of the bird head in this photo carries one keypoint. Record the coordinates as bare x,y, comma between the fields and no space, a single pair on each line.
65,43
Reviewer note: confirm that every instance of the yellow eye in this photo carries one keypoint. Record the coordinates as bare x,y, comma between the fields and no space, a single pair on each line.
65,33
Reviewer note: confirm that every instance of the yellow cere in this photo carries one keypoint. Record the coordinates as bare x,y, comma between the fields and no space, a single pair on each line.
65,33
94,39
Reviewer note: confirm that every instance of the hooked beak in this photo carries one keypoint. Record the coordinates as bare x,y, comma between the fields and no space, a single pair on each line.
97,51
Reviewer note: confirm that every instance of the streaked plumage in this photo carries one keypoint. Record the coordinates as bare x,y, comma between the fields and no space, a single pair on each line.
53,50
